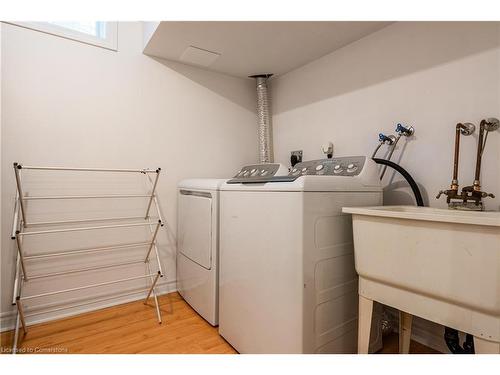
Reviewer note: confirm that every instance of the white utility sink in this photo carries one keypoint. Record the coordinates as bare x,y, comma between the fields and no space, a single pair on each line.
442,265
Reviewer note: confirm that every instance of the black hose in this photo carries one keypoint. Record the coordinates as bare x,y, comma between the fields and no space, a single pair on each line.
453,342
450,334
407,176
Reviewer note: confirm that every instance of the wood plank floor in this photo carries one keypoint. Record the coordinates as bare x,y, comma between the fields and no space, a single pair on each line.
128,328
391,346
133,328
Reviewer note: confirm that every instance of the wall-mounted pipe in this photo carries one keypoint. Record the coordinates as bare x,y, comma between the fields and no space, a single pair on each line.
263,119
487,125
464,129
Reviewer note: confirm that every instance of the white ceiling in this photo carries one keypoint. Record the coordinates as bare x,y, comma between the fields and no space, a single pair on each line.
249,48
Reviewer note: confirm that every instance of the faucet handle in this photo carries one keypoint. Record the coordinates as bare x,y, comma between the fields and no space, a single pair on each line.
389,139
403,130
486,195
441,192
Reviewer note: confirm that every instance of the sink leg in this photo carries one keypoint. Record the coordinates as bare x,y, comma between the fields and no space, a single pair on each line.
482,346
364,324
405,321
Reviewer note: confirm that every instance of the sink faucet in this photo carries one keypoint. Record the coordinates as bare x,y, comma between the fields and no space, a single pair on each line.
470,197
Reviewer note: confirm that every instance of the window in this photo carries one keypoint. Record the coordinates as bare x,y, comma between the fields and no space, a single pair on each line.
95,28
97,33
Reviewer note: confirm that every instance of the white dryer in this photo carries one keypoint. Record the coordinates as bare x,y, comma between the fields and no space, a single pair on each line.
198,245
287,280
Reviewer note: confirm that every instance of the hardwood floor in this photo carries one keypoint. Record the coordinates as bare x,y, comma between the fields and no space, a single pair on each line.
133,328
391,346
128,328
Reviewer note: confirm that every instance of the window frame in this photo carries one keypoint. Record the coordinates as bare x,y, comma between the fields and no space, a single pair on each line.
110,42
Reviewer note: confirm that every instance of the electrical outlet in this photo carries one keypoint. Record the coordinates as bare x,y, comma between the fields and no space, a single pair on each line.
295,157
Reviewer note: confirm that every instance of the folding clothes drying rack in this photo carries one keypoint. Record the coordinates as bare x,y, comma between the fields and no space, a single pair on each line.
20,223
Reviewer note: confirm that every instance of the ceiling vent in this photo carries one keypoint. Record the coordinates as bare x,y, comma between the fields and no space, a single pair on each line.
198,56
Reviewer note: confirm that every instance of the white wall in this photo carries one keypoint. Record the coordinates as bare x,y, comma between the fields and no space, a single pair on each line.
429,75
68,103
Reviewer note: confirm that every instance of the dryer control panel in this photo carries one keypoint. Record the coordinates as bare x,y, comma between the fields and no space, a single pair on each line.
343,166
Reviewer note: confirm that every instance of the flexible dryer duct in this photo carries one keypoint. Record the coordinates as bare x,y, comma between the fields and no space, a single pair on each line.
263,119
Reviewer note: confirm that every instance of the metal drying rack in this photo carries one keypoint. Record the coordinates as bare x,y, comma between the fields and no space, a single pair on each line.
20,223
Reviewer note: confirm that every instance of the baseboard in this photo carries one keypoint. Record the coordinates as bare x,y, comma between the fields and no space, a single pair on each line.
8,318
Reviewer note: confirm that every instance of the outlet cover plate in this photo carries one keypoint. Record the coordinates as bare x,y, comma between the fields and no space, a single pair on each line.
298,154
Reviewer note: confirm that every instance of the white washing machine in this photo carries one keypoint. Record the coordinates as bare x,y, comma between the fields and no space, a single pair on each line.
198,239
287,281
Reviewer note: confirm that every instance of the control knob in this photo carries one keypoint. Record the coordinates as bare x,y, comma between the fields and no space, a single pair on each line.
352,168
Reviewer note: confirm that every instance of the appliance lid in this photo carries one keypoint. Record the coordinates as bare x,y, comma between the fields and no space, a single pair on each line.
201,183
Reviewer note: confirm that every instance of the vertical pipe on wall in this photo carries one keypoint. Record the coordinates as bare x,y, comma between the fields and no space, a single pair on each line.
263,119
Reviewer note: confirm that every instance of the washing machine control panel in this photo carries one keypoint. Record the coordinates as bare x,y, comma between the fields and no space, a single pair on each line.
258,172
261,173
344,166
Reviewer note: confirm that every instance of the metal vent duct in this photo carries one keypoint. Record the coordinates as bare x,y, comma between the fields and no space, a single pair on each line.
263,119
